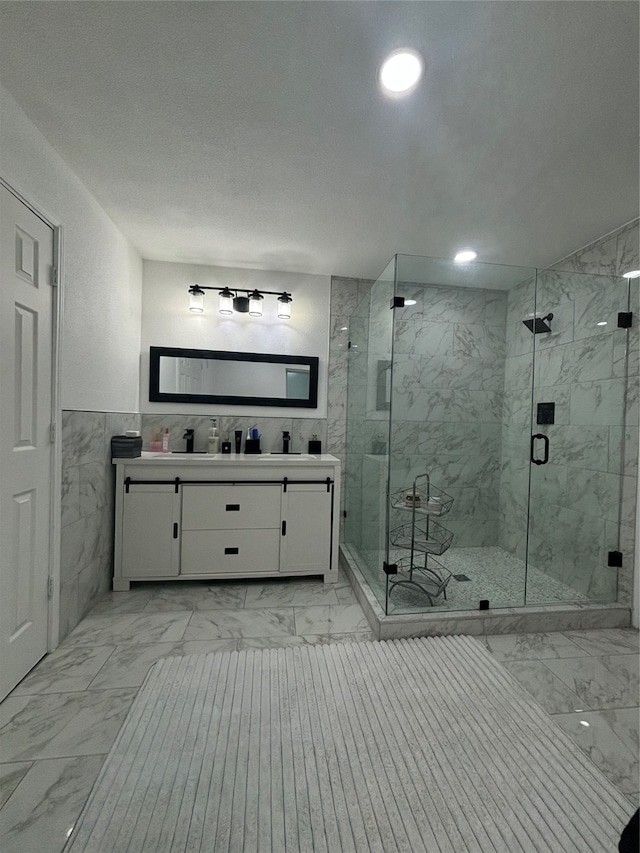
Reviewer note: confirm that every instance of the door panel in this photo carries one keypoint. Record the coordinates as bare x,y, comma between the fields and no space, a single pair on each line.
577,421
26,303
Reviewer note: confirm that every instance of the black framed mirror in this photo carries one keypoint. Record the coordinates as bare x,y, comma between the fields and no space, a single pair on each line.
179,375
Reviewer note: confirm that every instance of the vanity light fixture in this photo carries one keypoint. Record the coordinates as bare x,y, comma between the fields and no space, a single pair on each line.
238,300
631,274
464,256
410,302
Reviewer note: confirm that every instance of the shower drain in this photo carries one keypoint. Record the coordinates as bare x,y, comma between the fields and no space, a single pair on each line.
462,578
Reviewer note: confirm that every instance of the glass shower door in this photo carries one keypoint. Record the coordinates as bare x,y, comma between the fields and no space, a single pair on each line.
577,436
367,432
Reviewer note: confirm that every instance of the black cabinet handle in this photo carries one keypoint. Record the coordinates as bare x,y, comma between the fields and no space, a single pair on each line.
284,528
231,550
175,530
545,439
232,507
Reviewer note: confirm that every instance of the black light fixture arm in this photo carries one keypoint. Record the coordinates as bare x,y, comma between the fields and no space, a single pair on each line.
199,288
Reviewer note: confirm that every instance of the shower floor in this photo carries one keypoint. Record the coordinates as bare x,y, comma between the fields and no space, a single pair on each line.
493,574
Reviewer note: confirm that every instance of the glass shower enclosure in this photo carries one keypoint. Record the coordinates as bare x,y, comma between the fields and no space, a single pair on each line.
486,461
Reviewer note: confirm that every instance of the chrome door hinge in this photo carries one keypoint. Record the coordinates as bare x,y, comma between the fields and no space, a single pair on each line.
52,433
54,276
50,588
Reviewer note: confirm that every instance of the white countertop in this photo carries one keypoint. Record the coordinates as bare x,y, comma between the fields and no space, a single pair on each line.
229,459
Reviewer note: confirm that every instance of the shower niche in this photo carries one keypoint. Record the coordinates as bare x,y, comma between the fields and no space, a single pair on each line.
507,386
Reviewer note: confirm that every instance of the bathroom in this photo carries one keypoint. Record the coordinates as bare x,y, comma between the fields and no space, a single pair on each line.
168,145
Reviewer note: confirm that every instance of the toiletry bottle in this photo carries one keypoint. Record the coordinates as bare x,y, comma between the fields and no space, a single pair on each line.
166,440
214,438
238,440
286,441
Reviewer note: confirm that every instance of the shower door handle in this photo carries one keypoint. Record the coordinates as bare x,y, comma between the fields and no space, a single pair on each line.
545,439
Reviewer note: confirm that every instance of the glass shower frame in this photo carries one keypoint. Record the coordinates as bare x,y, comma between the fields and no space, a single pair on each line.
438,388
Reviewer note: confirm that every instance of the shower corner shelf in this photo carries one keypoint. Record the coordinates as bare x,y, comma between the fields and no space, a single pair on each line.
432,580
431,501
422,535
425,538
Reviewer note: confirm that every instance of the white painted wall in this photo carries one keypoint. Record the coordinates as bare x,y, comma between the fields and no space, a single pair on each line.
167,322
102,272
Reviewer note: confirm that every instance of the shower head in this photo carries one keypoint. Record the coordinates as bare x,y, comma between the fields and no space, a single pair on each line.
538,324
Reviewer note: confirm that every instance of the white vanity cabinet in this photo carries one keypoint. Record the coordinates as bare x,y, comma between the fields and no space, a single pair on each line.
202,516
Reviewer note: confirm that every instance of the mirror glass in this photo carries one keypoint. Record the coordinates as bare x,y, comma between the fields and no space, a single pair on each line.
216,376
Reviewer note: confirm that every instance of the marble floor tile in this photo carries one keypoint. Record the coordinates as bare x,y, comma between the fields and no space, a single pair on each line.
595,684
346,595
296,640
109,629
625,723
133,601
625,667
606,641
290,593
506,647
66,670
56,725
330,619
546,688
221,624
40,814
10,777
185,596
129,665
603,746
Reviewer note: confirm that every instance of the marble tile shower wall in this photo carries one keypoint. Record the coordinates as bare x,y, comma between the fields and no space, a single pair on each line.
448,378
591,373
87,510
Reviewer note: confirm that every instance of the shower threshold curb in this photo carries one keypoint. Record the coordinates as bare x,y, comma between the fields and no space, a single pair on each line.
505,620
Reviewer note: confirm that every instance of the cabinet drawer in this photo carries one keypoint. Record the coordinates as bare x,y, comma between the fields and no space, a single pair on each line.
230,507
214,552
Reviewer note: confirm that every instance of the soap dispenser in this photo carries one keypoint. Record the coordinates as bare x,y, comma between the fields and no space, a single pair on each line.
214,438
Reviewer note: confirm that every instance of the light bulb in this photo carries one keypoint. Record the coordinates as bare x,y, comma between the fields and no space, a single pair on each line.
196,301
225,305
255,303
401,71
284,306
464,256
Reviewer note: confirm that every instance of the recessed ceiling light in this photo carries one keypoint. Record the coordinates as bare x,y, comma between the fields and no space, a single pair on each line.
401,71
631,274
465,255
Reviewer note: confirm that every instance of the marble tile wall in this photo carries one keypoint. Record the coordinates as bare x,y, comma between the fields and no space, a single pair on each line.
586,500
271,429
87,510
448,378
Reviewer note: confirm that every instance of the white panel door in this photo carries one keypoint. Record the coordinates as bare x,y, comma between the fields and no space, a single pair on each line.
26,310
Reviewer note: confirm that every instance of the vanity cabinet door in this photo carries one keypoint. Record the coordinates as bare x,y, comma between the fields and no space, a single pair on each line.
305,544
150,543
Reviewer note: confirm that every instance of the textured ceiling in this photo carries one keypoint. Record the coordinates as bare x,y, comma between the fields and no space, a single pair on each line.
253,134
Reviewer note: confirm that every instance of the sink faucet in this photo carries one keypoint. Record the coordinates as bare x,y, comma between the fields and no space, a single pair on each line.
189,437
